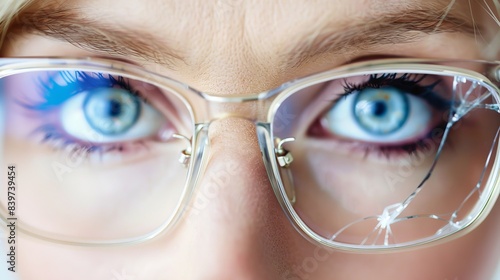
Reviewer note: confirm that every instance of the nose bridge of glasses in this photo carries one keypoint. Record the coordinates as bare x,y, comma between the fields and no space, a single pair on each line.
214,109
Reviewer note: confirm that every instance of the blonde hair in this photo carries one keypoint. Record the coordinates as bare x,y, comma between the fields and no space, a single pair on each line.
10,8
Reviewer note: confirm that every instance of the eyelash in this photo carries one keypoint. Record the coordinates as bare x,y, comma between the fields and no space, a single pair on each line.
409,83
54,95
59,141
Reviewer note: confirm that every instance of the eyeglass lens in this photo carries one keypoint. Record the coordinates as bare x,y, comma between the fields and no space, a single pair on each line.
364,148
377,158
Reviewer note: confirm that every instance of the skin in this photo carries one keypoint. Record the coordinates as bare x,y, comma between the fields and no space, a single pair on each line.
234,48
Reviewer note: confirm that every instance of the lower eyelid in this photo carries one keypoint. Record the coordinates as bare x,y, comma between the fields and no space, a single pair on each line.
44,128
65,144
369,152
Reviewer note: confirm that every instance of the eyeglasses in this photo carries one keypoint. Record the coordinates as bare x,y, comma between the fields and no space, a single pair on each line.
375,155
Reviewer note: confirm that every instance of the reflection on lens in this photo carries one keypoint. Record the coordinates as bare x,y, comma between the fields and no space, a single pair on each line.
92,156
365,146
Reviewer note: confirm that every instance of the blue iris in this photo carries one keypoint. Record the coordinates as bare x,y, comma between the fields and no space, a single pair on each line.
111,111
381,110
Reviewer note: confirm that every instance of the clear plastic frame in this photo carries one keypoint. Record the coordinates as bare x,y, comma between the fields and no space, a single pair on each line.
371,156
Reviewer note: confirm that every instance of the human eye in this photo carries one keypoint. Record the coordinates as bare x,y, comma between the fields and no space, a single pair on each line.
97,148
97,112
387,113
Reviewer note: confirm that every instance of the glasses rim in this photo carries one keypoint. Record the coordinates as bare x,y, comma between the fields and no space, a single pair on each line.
14,65
274,98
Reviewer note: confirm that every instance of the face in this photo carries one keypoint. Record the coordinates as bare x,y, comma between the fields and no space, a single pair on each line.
233,225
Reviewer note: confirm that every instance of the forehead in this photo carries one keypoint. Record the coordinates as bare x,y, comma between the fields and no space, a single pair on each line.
251,18
257,12
258,26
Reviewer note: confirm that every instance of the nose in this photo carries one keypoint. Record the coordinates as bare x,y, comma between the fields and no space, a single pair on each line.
235,227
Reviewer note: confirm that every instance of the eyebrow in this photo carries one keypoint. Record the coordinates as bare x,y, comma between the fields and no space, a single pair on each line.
386,29
102,37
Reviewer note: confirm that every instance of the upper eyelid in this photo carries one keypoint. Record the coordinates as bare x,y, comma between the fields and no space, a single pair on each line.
56,88
438,102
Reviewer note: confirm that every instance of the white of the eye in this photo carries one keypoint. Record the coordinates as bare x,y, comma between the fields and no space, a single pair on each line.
74,123
341,121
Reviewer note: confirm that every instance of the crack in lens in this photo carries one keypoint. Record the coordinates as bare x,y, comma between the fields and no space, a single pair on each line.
325,206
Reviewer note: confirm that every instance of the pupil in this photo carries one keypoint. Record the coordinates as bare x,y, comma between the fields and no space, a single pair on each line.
379,108
115,108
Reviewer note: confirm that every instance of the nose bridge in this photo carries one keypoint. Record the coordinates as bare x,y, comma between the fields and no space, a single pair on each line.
235,209
235,161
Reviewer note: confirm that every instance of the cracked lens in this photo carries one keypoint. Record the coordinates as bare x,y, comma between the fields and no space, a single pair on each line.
423,178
